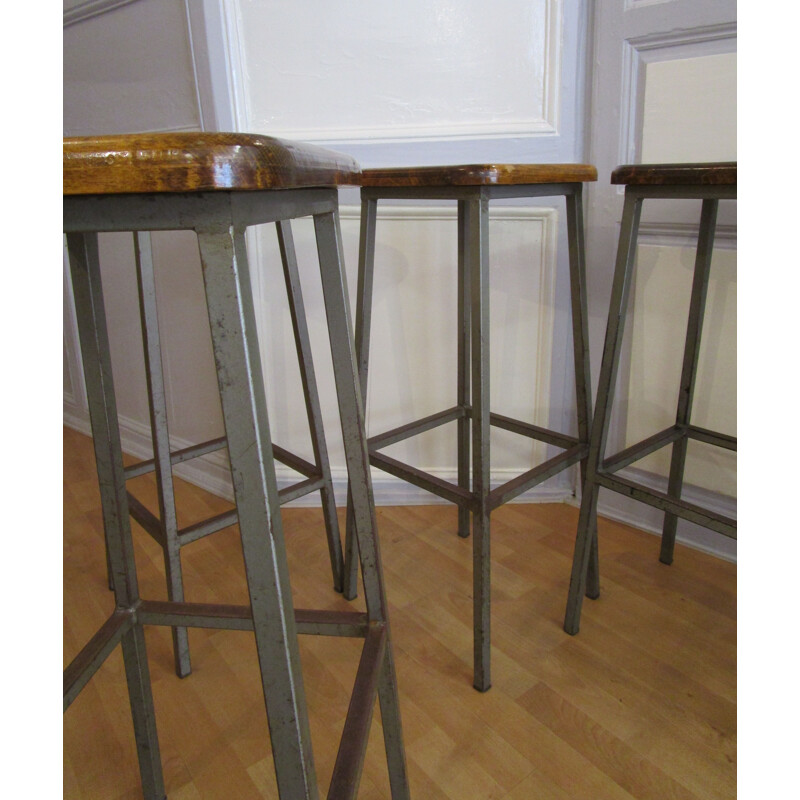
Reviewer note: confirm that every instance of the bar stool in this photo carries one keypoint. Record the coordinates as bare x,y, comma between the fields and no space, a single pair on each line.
218,185
473,186
316,477
709,183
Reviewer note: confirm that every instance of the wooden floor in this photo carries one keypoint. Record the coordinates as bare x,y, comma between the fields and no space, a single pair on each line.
641,703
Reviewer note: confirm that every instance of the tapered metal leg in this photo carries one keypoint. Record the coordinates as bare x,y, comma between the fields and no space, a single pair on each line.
476,257
235,342
691,356
602,416
85,268
137,674
366,271
463,389
580,345
311,395
157,399
351,411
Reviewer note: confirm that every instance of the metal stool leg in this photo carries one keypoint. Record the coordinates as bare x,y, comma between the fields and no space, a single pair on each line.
366,271
157,399
580,344
311,396
351,411
463,388
605,394
235,341
691,356
476,258
85,268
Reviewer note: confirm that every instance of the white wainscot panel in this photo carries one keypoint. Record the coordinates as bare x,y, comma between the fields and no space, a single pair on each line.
361,70
413,347
661,305
690,110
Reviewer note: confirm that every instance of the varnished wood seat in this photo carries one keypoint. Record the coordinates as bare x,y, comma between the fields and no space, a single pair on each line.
478,175
473,186
198,162
709,182
217,185
718,173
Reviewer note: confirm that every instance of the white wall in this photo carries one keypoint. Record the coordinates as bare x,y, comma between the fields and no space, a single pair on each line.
391,83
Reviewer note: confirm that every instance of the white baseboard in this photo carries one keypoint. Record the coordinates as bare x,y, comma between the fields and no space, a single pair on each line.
650,520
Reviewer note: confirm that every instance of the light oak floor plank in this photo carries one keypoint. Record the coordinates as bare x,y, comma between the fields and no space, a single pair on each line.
641,704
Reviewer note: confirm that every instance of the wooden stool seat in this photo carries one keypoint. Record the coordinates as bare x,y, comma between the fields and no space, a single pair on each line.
217,185
721,173
198,162
478,175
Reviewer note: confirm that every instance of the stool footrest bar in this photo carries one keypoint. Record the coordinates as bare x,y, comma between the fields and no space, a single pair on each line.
424,480
533,477
239,618
289,493
680,508
197,531
711,437
298,464
178,457
644,448
146,518
192,533
413,428
94,654
353,744
532,431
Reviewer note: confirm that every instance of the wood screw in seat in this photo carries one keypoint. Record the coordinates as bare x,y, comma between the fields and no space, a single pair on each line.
709,183
217,185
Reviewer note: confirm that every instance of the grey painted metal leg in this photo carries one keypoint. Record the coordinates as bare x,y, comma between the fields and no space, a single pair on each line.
137,674
691,356
351,411
311,396
463,389
85,268
580,344
366,271
605,394
157,400
234,337
476,257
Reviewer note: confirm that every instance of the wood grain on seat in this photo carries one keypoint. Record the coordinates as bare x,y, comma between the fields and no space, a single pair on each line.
198,162
721,173
477,175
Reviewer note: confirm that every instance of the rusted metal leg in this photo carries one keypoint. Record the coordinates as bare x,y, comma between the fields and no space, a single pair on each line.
366,270
691,356
464,313
476,258
157,400
351,412
602,416
580,345
311,396
90,312
241,385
